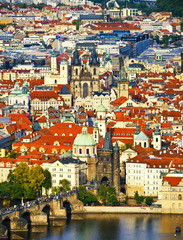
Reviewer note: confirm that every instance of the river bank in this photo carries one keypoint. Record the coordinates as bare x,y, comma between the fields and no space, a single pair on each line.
118,209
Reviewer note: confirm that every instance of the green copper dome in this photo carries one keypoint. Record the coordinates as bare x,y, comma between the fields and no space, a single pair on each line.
84,139
101,108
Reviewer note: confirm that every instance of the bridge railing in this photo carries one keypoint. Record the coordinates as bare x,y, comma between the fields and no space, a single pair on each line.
39,201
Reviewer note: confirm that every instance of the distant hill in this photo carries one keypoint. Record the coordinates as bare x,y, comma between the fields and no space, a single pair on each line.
174,6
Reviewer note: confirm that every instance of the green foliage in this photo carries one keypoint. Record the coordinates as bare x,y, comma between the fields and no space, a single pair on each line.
90,198
82,194
118,20
181,25
126,200
165,39
139,199
128,145
111,5
65,184
176,7
23,182
103,194
12,154
77,23
129,18
86,197
55,190
108,195
47,184
36,178
149,201
4,189
39,6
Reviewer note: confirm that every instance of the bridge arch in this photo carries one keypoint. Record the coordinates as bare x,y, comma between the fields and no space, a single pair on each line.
67,206
46,209
7,223
26,215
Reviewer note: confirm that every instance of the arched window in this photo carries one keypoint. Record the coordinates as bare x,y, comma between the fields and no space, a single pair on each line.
145,144
80,151
94,71
87,151
85,90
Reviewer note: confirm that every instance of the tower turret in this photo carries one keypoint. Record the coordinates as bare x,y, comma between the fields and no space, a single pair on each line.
157,138
123,83
116,168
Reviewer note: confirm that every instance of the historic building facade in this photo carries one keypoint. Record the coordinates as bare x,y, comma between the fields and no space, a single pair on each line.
85,79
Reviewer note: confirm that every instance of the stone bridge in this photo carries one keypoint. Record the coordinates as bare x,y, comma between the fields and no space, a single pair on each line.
41,214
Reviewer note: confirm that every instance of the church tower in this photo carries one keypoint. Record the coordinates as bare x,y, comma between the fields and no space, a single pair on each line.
123,83
116,168
157,138
53,63
64,71
101,118
108,165
96,132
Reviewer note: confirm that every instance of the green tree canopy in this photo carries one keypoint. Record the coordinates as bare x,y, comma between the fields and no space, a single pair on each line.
47,184
139,199
36,178
65,184
12,154
149,201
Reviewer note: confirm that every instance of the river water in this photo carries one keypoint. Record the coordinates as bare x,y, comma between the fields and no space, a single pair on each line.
113,227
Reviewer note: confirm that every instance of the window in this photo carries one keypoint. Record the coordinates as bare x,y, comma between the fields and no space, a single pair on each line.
76,71
60,175
69,170
145,144
94,71
80,151
54,181
87,151
55,81
61,169
53,169
69,176
180,197
54,175
156,139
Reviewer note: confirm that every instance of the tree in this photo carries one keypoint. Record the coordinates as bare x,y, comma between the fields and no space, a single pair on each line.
181,25
128,145
111,196
90,198
36,178
12,154
65,184
139,199
16,190
82,194
111,5
129,18
126,200
55,190
103,193
21,175
77,23
4,192
149,201
47,184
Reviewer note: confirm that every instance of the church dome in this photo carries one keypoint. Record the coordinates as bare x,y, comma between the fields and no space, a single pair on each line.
101,108
84,139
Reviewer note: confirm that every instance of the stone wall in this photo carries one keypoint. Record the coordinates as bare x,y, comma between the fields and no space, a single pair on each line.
108,209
